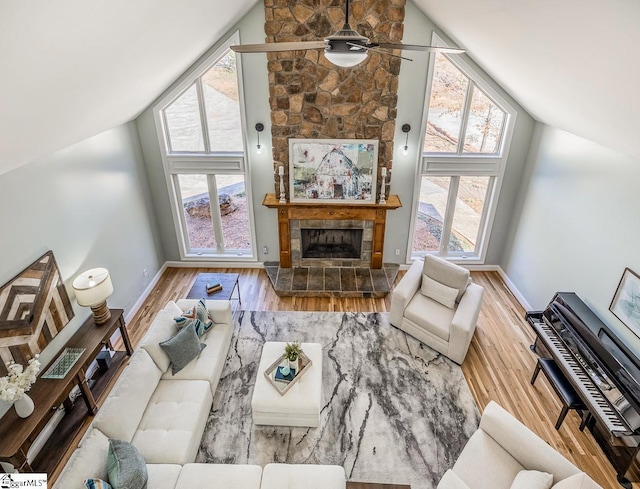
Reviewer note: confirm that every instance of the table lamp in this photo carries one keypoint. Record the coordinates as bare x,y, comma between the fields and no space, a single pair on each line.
92,289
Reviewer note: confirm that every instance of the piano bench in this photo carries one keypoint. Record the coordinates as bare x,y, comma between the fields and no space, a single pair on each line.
565,391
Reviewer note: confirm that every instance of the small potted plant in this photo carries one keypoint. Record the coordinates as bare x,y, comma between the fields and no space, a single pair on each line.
292,352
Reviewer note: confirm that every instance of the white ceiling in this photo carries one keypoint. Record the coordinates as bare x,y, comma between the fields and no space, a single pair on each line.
572,64
71,69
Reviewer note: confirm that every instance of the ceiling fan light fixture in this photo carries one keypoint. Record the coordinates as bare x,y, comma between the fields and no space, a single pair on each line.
346,59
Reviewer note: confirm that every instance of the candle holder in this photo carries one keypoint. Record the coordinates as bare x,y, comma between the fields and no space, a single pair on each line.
382,199
283,195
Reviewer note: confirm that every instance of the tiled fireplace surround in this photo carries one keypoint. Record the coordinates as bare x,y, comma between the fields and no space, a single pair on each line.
296,225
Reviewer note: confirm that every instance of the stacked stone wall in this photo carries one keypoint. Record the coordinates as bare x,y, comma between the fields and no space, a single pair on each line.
312,98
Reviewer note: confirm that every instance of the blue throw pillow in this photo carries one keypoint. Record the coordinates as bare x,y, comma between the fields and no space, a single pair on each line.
96,484
198,316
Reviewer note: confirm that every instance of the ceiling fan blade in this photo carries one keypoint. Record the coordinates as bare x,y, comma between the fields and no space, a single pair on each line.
278,46
416,47
376,50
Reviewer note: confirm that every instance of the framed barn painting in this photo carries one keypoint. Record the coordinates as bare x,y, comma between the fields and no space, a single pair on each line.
333,170
626,301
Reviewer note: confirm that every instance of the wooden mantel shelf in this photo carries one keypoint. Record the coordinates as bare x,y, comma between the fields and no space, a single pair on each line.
271,201
331,211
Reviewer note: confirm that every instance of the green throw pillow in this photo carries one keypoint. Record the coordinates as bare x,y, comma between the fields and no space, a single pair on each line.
182,348
125,466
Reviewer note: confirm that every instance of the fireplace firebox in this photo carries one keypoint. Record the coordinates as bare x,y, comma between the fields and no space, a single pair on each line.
331,243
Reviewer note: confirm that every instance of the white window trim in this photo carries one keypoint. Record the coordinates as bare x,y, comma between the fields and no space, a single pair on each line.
464,164
175,163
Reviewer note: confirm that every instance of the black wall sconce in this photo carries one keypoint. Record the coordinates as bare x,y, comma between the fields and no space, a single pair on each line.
405,129
259,128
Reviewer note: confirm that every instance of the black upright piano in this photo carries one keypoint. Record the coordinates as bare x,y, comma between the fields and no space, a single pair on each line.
604,372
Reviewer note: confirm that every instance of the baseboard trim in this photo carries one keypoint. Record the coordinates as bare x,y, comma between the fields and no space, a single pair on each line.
213,264
514,290
145,293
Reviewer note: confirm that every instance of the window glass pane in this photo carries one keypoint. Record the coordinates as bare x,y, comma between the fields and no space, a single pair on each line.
234,212
197,212
432,204
183,122
472,193
448,92
220,89
484,127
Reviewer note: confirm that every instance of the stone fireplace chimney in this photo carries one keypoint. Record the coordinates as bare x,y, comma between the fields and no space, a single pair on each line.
312,98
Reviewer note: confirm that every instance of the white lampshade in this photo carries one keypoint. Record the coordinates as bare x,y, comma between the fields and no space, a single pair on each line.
93,287
346,59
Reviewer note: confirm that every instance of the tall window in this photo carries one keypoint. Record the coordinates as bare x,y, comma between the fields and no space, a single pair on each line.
202,130
466,138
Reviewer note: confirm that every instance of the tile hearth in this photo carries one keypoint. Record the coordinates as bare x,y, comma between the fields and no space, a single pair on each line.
332,281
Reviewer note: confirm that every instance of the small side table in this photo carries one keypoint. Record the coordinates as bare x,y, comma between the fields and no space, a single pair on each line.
230,287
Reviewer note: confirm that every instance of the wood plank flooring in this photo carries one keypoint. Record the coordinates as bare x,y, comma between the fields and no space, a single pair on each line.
498,366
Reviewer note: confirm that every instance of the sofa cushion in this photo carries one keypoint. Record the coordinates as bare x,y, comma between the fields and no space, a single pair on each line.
532,479
173,423
122,411
439,292
482,452
126,468
447,273
162,328
87,462
289,476
431,315
577,481
163,476
222,476
184,347
209,364
450,480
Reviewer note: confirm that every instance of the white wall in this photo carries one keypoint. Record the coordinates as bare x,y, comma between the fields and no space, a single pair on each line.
412,88
89,203
576,227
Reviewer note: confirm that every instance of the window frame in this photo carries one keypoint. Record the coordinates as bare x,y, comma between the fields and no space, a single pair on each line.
463,164
205,162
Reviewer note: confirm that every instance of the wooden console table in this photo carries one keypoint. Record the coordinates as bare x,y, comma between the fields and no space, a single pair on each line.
342,211
18,434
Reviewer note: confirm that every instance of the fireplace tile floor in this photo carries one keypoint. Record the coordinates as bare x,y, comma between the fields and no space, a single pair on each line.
332,281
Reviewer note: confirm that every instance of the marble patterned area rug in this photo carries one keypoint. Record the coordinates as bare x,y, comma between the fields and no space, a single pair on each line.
394,410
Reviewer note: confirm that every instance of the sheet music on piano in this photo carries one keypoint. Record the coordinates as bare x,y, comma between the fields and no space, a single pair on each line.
604,372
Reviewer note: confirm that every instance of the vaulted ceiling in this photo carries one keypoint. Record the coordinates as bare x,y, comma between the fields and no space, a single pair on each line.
72,68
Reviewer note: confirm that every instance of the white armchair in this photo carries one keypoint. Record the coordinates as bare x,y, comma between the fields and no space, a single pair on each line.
436,303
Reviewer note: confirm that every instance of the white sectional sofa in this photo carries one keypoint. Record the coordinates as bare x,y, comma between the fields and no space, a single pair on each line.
500,449
161,414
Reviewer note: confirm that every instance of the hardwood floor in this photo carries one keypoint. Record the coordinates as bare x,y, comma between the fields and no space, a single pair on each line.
498,366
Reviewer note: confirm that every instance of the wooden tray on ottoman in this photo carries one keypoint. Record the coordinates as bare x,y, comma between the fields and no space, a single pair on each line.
304,362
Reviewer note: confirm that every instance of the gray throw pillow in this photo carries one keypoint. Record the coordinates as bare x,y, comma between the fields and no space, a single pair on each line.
182,348
125,466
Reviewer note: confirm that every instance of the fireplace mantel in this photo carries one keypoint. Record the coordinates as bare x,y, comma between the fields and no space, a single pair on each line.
343,211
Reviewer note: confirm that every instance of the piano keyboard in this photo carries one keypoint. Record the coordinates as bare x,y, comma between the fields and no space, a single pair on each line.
581,380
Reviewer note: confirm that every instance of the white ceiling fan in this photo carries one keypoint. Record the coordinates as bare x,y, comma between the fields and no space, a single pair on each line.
345,48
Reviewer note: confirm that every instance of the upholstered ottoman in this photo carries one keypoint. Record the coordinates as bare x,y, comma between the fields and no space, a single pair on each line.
285,476
300,406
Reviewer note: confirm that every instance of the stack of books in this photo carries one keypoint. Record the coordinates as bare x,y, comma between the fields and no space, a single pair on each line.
213,287
284,378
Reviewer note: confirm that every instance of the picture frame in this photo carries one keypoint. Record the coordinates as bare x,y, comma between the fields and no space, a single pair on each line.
625,304
333,170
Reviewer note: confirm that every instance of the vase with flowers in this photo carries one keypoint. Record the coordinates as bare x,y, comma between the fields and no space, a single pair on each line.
14,386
